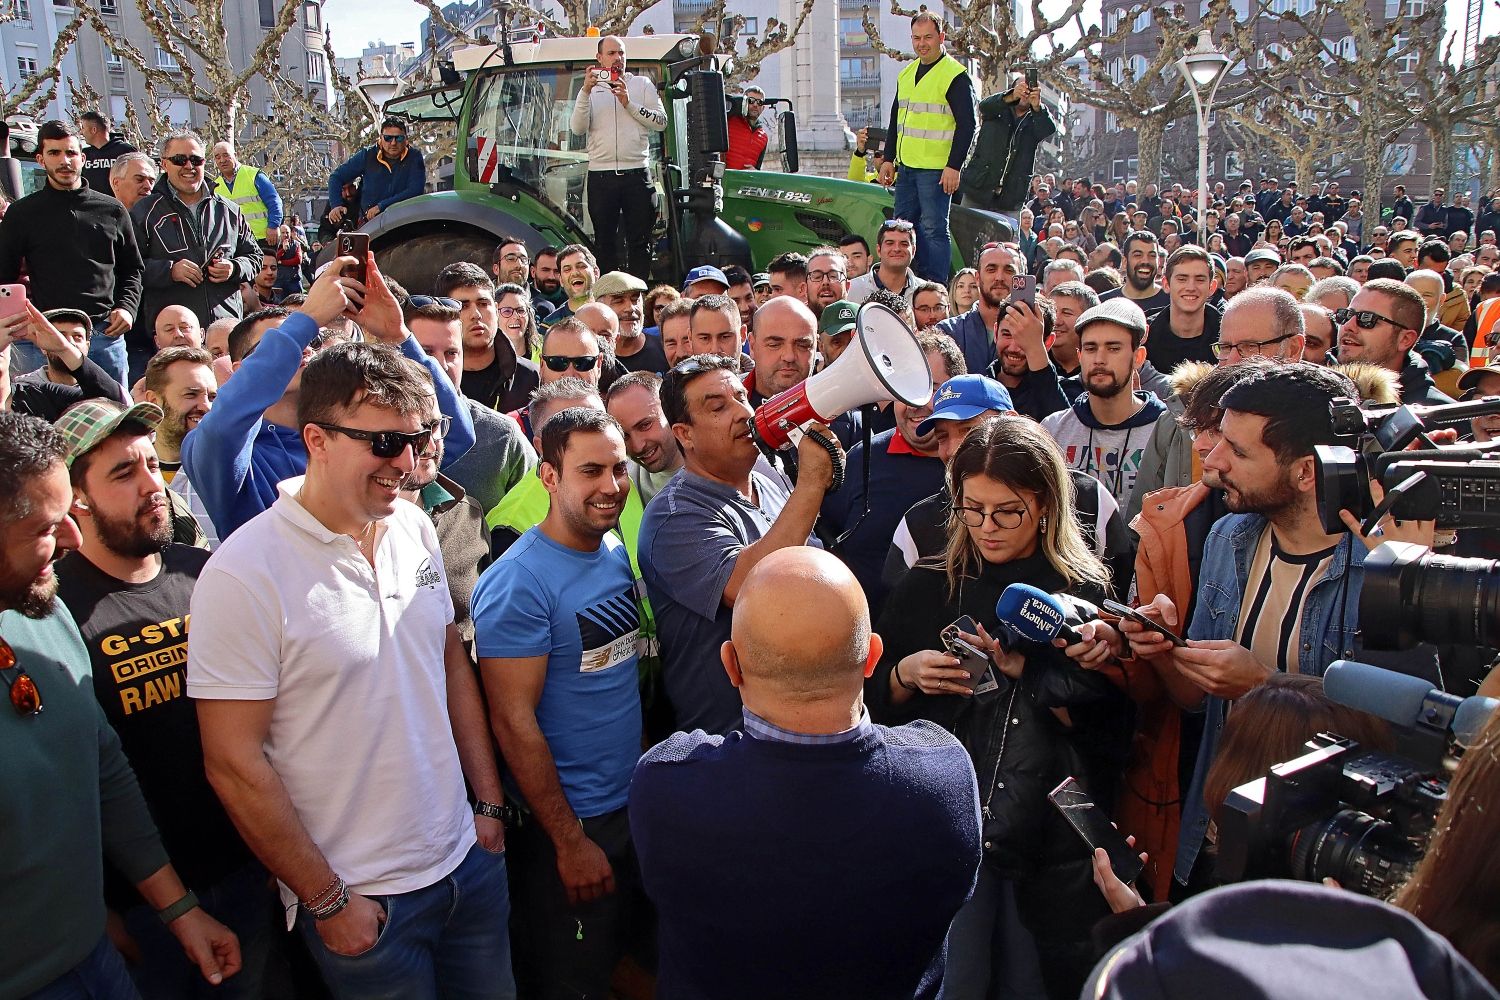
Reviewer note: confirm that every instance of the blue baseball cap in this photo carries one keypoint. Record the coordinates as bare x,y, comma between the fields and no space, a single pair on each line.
964,397
705,272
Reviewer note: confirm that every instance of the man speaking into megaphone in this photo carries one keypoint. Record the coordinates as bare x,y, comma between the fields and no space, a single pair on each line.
712,522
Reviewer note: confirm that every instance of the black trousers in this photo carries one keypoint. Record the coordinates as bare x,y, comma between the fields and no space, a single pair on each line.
565,952
622,200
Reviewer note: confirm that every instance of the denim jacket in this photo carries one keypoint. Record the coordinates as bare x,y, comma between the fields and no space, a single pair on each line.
1329,623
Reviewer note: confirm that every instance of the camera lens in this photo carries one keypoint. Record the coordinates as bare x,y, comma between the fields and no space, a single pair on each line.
1413,595
1364,854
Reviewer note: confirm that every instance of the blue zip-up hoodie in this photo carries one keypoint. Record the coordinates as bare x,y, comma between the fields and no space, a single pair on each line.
1111,454
235,456
385,183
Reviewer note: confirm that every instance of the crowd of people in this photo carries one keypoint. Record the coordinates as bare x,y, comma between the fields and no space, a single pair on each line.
373,641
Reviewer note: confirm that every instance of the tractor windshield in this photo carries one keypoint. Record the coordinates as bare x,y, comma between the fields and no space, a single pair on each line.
519,124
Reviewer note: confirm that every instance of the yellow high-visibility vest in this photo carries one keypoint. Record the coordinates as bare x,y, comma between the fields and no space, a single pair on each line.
243,194
924,122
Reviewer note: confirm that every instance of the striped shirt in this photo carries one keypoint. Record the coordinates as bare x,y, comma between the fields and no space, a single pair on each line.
1276,592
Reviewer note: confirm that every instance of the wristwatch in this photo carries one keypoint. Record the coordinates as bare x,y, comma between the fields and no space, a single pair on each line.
489,810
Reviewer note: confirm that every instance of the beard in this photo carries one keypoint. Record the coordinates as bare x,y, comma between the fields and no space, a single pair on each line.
1114,387
172,429
31,598
1268,503
1138,283
125,536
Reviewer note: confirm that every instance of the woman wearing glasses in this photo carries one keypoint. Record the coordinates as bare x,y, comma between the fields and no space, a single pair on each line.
1036,717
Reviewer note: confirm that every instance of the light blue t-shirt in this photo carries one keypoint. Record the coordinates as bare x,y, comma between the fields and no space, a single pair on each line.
578,608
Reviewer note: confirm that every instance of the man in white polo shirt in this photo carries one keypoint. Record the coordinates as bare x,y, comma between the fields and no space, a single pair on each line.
339,714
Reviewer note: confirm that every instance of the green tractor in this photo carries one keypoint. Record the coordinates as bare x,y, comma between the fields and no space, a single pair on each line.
522,172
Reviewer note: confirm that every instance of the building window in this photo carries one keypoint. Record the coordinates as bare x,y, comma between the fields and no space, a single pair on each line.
108,7
312,16
315,67
1143,20
752,27
1124,170
164,59
26,67
268,13
23,10
112,60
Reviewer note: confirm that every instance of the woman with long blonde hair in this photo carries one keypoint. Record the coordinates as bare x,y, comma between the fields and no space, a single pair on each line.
1030,714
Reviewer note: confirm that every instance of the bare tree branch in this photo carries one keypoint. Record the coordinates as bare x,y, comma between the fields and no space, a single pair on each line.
37,90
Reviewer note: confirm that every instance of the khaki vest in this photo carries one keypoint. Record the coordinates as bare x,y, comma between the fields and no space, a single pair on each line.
924,122
244,195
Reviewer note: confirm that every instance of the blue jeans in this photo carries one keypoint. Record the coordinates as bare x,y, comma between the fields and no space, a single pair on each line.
109,353
921,200
100,976
246,904
451,939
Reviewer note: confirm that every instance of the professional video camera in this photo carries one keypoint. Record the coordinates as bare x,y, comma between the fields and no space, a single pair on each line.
1340,812
1456,486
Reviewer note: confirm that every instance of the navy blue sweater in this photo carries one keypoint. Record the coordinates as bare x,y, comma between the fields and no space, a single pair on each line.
789,871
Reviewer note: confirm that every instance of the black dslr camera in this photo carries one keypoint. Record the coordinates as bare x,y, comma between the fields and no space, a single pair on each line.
1337,812
1458,487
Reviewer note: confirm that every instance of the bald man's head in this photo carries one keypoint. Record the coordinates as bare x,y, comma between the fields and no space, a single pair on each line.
801,634
601,319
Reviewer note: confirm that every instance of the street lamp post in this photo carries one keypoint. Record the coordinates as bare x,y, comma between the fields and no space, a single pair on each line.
1203,67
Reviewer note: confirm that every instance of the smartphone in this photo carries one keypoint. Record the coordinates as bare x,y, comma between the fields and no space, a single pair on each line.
12,300
1032,78
1023,289
874,138
356,245
1090,823
1116,608
971,658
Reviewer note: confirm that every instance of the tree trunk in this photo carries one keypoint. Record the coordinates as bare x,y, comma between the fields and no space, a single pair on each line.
1372,160
1441,134
1303,161
1149,134
1492,140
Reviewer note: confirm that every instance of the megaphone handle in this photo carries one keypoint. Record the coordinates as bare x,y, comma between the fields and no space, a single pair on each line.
834,455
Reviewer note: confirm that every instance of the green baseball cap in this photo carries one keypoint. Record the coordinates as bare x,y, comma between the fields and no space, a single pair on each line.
86,425
838,317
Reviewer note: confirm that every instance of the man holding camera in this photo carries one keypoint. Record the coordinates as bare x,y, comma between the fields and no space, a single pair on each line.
1011,126
1277,590
618,111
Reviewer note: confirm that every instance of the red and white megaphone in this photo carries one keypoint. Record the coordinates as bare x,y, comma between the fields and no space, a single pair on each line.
882,362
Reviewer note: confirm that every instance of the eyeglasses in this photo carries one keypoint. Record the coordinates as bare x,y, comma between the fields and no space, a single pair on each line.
975,517
397,140
1365,319
516,258
389,444
506,312
818,277
183,159
24,696
562,362
423,301
1247,348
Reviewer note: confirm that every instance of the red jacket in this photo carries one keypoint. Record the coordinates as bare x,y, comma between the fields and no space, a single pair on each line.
747,144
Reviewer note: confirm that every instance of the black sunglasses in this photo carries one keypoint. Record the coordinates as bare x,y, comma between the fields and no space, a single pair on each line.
1365,319
183,159
423,301
24,696
562,362
389,444
393,138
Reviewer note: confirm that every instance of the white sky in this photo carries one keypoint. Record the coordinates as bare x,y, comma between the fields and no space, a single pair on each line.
356,23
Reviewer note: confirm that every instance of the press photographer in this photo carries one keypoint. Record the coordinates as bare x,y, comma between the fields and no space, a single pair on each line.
1278,590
